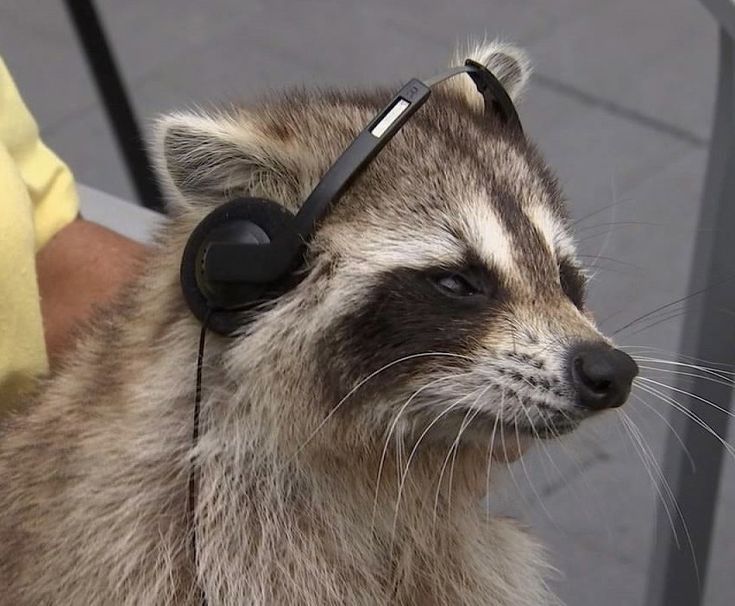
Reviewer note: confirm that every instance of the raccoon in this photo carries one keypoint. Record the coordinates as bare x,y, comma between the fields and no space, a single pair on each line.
351,428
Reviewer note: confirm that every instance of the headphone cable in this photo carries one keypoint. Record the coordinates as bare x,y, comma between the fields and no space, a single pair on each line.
193,483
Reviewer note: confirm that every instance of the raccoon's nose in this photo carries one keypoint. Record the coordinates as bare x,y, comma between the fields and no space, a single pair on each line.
601,375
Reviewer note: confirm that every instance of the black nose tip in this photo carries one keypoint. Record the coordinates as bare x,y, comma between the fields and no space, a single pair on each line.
601,375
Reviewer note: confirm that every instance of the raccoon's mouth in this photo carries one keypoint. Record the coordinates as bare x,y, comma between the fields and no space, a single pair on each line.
543,422
551,422
551,426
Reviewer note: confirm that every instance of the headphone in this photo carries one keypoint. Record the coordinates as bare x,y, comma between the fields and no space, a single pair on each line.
244,251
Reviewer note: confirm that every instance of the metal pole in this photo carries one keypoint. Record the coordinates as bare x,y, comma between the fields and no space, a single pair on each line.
115,99
678,573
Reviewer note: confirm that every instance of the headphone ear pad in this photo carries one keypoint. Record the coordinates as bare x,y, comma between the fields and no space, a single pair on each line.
243,220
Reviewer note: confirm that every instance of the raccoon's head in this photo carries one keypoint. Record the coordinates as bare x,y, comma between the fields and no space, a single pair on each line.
440,296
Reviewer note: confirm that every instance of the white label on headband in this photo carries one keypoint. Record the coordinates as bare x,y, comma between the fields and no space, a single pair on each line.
389,118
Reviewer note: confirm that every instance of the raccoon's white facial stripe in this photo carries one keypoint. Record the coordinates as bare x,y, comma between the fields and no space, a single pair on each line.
553,231
388,249
489,236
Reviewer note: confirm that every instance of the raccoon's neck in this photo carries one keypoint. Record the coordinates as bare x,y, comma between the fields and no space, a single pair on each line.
324,529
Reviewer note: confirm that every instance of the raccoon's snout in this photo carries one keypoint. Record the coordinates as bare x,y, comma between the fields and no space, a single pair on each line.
601,375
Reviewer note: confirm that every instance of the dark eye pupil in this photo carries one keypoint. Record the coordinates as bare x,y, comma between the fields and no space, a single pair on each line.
572,283
456,285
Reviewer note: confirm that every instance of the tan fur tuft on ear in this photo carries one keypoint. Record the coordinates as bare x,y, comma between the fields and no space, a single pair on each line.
510,65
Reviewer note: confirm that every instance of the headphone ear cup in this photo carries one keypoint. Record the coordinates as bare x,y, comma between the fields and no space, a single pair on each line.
242,221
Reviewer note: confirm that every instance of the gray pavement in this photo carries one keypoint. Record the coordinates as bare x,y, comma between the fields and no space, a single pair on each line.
620,104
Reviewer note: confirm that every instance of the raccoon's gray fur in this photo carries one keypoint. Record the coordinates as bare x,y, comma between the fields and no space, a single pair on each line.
347,434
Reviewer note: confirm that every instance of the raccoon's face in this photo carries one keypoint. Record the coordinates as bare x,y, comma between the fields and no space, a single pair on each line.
441,296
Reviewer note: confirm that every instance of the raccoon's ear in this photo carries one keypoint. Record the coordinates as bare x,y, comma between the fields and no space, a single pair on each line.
205,159
509,64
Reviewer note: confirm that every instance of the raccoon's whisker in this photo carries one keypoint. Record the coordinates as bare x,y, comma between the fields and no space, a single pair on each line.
606,240
523,464
525,409
636,430
594,232
391,429
525,469
657,320
670,426
436,419
688,413
720,373
619,224
647,462
398,439
598,268
689,394
545,449
647,449
671,304
371,376
669,225
712,365
505,456
465,424
580,473
489,455
551,470
449,454
611,260
601,321
596,235
681,373
601,210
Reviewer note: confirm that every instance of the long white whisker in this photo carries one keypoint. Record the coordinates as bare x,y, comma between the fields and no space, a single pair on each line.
466,422
608,235
489,455
523,465
682,373
654,463
510,467
671,496
706,364
449,454
391,429
647,465
371,376
583,478
670,426
404,475
716,372
689,394
688,413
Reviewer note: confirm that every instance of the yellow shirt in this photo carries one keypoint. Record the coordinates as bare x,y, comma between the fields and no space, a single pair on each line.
37,199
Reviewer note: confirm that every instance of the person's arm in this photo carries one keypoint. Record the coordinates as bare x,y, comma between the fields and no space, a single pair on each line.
83,266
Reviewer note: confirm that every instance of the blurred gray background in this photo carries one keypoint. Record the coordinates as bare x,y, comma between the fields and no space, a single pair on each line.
620,104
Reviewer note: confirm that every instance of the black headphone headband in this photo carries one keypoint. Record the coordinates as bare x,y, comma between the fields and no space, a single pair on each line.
216,259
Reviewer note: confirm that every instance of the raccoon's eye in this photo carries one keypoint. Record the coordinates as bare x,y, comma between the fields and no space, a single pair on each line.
456,285
572,283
